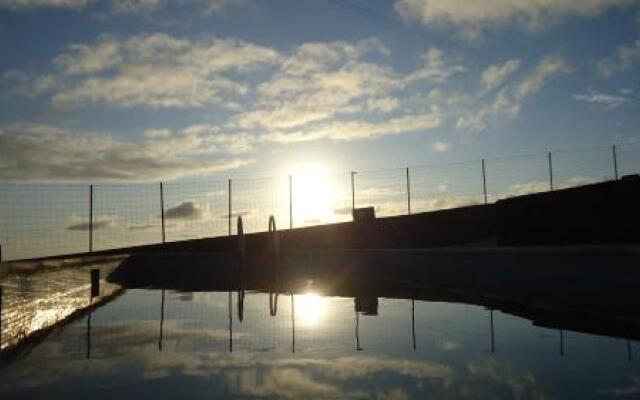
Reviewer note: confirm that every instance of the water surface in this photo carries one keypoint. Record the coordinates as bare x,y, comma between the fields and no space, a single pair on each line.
309,344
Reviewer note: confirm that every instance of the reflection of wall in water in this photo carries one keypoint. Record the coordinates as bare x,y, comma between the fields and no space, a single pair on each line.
35,301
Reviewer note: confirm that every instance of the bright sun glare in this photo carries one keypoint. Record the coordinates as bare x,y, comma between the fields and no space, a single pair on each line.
314,195
310,308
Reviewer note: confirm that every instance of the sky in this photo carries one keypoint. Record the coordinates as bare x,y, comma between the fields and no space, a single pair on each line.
149,90
123,94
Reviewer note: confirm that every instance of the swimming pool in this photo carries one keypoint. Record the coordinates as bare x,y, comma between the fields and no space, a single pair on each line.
299,336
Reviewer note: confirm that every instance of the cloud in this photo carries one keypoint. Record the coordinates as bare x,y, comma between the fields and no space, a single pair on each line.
157,70
316,82
322,81
86,59
441,147
43,152
495,75
24,85
309,93
435,68
508,100
286,383
135,6
357,130
189,210
608,101
624,58
382,105
121,6
31,4
98,223
473,15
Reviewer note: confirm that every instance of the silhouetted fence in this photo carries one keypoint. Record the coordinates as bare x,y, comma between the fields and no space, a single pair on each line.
38,220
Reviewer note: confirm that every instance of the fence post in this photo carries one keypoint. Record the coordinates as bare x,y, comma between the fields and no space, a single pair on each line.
230,207
615,162
290,201
293,324
493,340
408,191
95,282
353,191
484,181
90,218
550,171
162,210
0,317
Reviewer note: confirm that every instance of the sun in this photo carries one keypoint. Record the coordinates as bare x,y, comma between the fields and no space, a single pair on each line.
310,308
314,195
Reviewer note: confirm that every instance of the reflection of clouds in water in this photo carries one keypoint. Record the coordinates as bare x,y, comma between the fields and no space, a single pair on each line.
449,345
504,379
281,383
630,391
51,367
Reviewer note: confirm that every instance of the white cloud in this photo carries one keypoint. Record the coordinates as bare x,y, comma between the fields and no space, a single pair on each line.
357,130
435,68
383,104
158,70
29,4
441,147
316,82
624,58
475,15
496,75
86,59
608,101
508,100
41,152
321,81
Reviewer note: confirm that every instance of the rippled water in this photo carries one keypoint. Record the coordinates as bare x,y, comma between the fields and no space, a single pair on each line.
253,344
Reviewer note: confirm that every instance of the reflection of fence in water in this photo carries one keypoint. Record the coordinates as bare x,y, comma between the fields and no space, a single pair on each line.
151,321
45,220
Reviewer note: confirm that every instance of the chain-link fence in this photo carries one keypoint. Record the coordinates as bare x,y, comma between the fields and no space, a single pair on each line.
45,220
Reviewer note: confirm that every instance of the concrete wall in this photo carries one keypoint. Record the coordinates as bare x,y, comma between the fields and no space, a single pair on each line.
602,213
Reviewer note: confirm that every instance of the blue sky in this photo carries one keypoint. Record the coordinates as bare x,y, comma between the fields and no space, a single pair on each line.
131,90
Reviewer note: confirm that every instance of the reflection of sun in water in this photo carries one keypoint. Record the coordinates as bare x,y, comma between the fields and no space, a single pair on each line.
314,195
310,308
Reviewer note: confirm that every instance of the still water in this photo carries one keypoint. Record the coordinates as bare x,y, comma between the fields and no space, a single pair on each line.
128,343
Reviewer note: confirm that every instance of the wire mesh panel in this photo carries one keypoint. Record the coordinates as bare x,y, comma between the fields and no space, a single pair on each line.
575,168
126,215
628,159
321,198
515,176
385,190
257,199
446,186
43,220
195,210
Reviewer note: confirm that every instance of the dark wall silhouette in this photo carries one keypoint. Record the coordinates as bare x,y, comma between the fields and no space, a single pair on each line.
602,213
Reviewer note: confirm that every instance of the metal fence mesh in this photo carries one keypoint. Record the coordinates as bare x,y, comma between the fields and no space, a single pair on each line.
126,215
38,220
195,210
